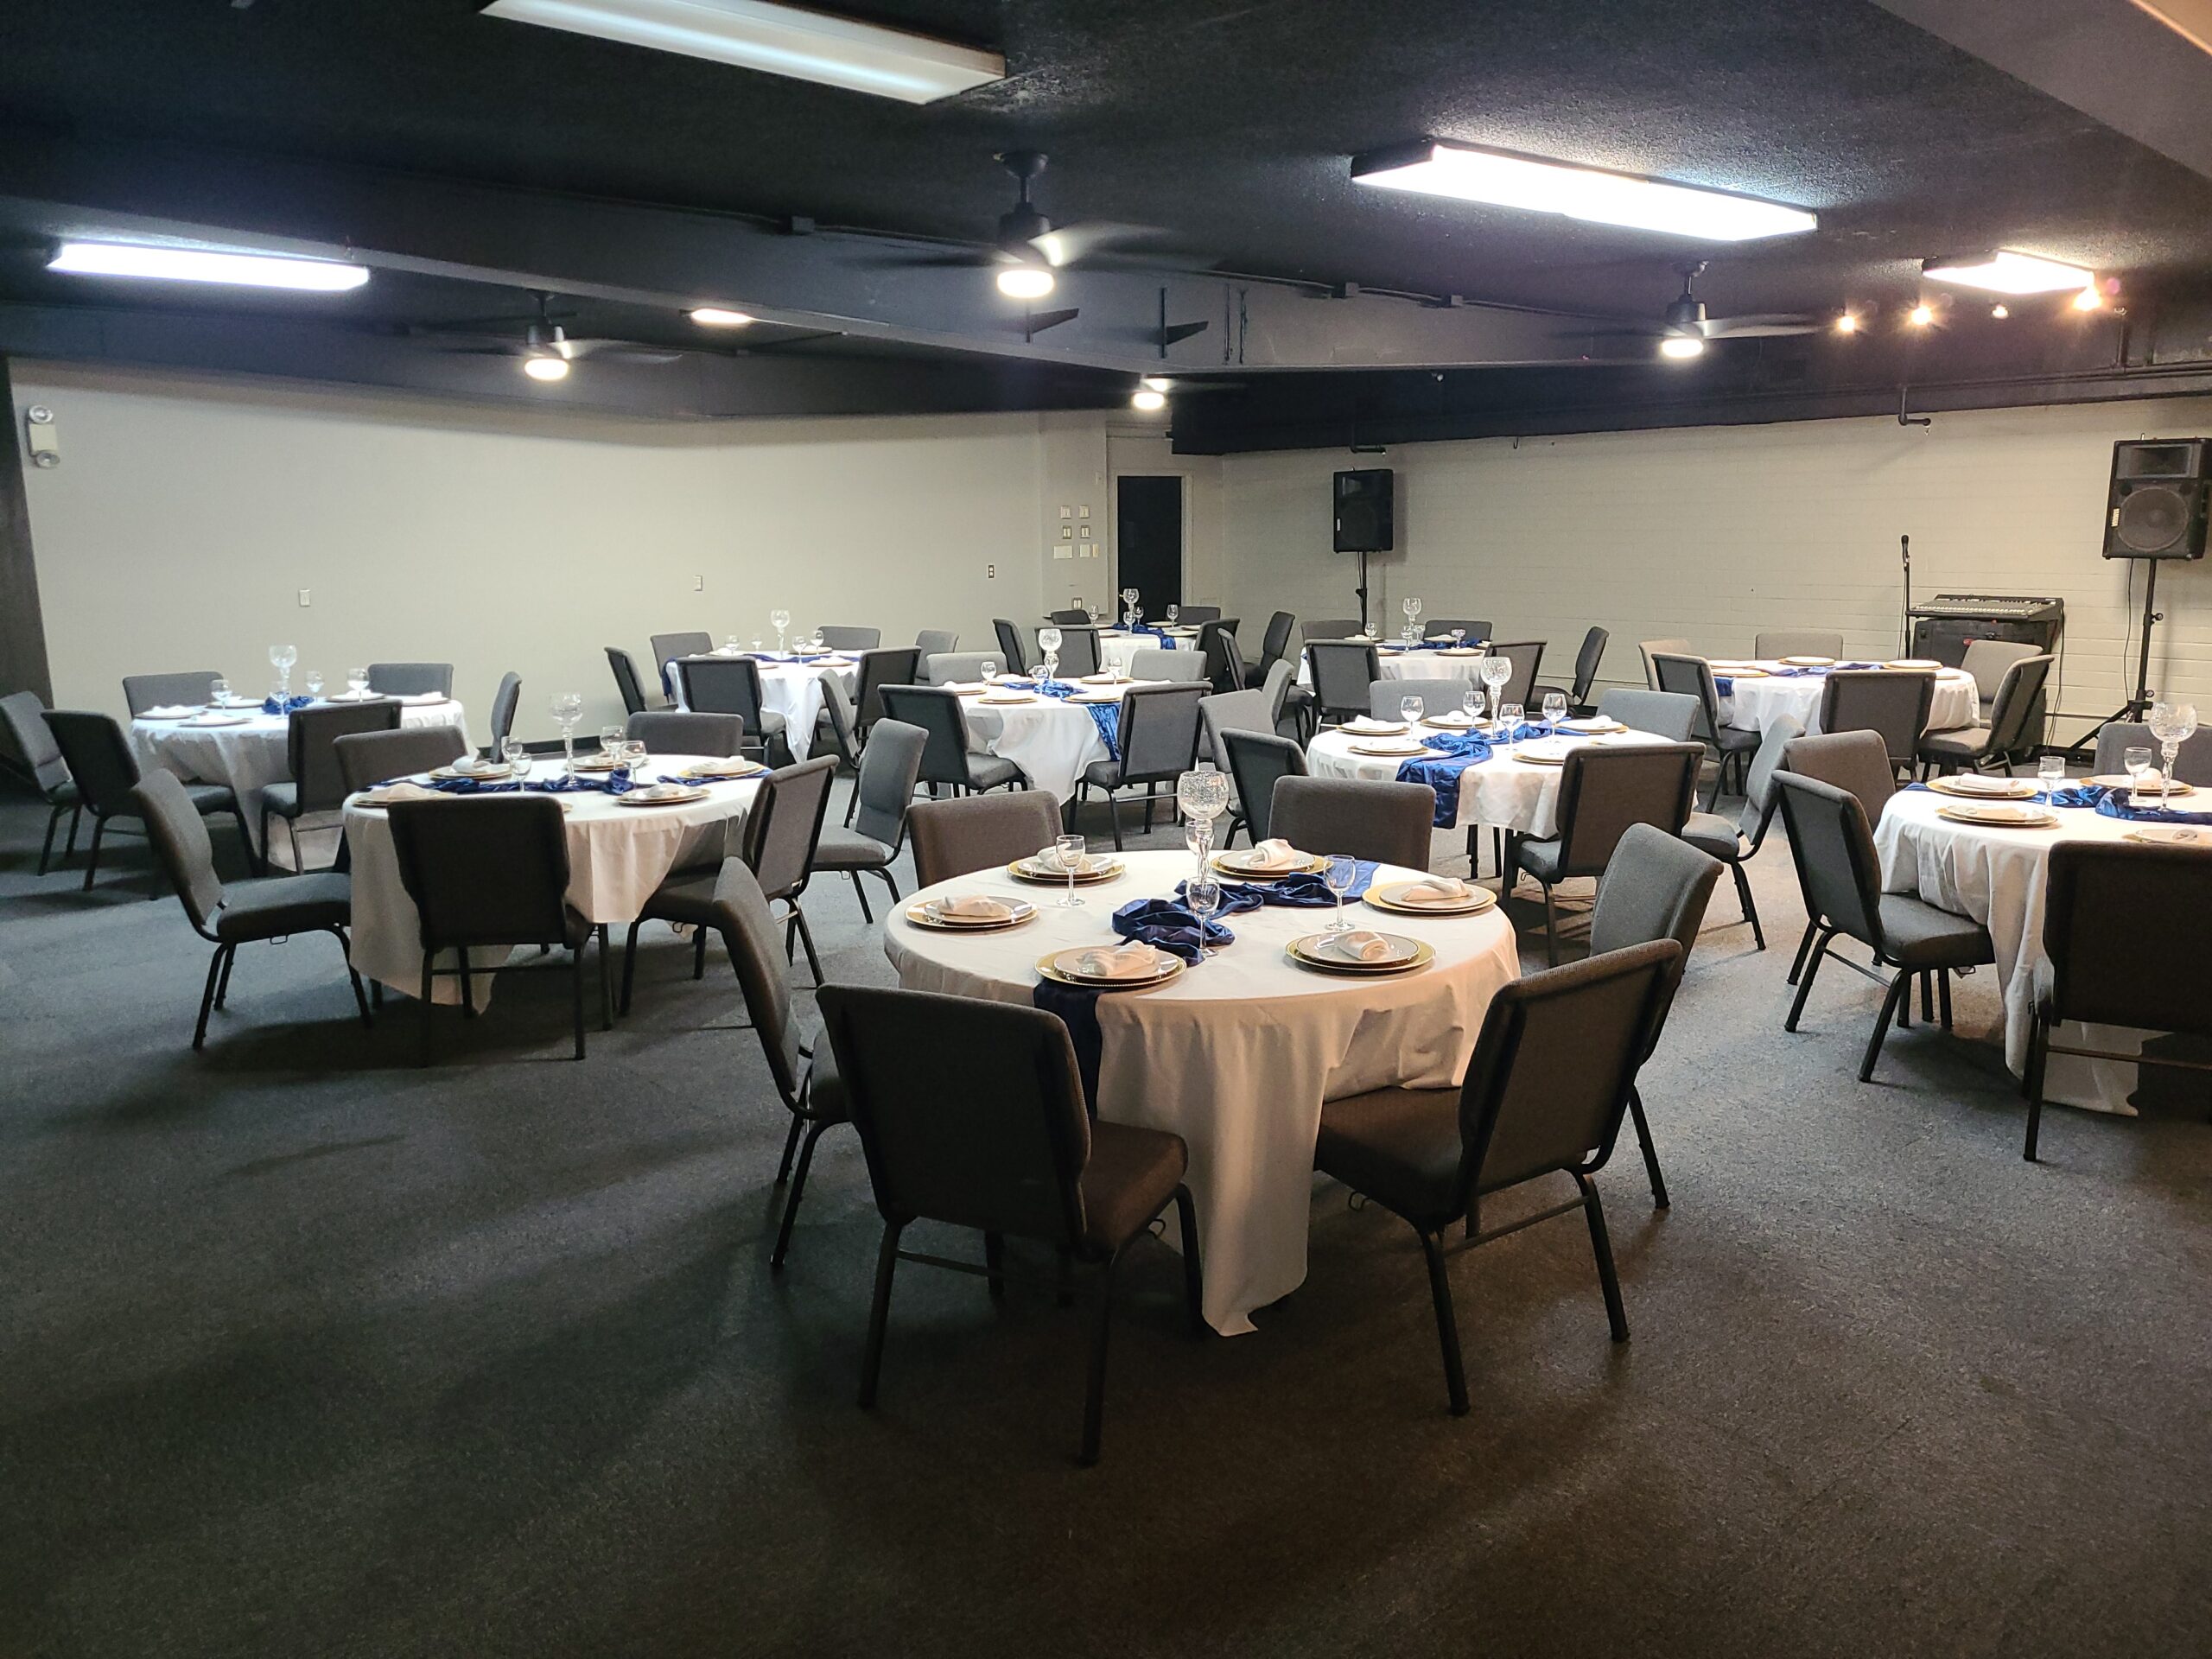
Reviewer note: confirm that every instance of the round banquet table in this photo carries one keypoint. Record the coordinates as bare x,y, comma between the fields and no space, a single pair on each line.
1051,739
1238,1054
1117,649
251,756
1394,663
617,855
1754,705
788,687
1502,792
1998,876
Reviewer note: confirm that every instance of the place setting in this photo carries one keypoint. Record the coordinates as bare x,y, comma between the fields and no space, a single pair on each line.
1432,895
1271,861
971,912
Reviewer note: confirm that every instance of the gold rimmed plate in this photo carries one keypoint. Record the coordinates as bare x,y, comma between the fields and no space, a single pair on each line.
599,763
1232,864
1808,662
1459,727
1053,966
928,914
214,717
1391,897
2121,780
1402,749
1373,729
654,795
498,774
2000,815
1318,952
1989,789
1007,699
1542,752
1739,673
1101,869
2171,834
1921,663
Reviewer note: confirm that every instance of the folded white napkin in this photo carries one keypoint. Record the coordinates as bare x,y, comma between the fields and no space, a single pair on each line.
399,791
1049,859
974,907
171,711
1369,724
1363,945
727,763
1438,890
1134,960
1272,854
1451,717
1973,783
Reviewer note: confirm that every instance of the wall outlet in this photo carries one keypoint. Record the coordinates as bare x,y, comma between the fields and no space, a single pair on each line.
304,599
990,573
1062,550
698,584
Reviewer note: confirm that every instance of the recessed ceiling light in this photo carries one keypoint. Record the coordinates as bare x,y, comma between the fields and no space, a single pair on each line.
2000,312
2005,272
1920,315
182,264
1846,324
1025,282
2088,298
1149,400
547,367
1682,347
1158,383
777,40
1584,192
715,316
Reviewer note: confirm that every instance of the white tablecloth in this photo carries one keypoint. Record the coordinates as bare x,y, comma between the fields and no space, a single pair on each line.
1237,1055
793,690
1503,793
1119,649
250,757
617,855
1755,705
1414,665
1999,878
1049,738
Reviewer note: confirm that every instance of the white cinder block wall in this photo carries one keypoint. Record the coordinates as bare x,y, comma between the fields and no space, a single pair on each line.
1712,533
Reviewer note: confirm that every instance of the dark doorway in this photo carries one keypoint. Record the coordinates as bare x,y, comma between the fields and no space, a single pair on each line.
1148,541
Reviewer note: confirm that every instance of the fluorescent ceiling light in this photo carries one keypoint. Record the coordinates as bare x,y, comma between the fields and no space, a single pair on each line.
183,264
716,316
1586,193
777,40
2005,272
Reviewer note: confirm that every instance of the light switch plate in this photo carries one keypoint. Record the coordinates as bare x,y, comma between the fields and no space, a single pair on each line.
303,598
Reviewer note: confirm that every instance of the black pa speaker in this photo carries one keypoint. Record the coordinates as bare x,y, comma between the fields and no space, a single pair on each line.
1364,520
2161,498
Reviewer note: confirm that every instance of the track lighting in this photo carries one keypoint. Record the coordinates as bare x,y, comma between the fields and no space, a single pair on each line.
715,316
1846,324
1025,282
2000,311
1681,347
2088,298
547,367
1920,315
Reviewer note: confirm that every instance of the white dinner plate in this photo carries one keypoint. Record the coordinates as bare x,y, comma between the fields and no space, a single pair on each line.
1808,662
1235,864
660,795
1402,749
928,914
1391,896
2173,834
1913,662
1060,965
1101,869
2121,780
1008,698
2000,815
1542,751
1974,787
213,719
1373,729
1592,726
1728,665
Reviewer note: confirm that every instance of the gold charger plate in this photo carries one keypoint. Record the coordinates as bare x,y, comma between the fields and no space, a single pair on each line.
643,798
2121,780
1481,899
2170,835
1386,729
1913,662
2000,815
1406,750
1456,650
1007,699
1107,870
598,763
2017,788
1808,662
1023,912
1423,954
1741,674
1048,967
1456,727
1313,865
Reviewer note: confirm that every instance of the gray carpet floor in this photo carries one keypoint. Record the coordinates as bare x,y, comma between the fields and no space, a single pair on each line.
306,1350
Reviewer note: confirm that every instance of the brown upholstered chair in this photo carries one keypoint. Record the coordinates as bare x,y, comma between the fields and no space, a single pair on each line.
978,832
1601,793
1388,822
676,731
1795,642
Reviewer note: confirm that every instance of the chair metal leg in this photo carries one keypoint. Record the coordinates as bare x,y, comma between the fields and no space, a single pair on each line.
698,953
1900,989
630,964
92,852
790,1148
360,997
1601,1246
1797,964
2039,1057
878,1313
1943,990
423,1058
861,894
1151,794
223,985
1551,927
606,991
806,938
994,1264
53,822
791,1199
1186,1222
207,996
1447,1326
576,995
1114,810
292,834
76,818
892,882
1744,898
1094,1403
1659,1199
1805,981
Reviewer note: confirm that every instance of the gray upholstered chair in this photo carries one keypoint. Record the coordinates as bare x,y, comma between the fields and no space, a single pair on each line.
677,731
1070,617
1841,877
43,768
1079,653
505,702
1274,645
311,751
667,647
2015,724
1734,841
947,761
837,731
1663,713
1859,764
1223,712
1159,742
1691,676
145,691
1193,616
956,667
892,665
1277,684
367,759
928,1080
881,795
844,638
1223,658
1385,696
107,775
1986,661
1388,822
935,642
1258,760
1891,702
2192,764
1017,653
2123,926
626,681
492,872
1527,656
1656,888
1472,630
979,832
1651,648
1331,627
1772,643
731,685
411,679
273,907
1341,672
1544,1094
1601,793
1175,666
1586,674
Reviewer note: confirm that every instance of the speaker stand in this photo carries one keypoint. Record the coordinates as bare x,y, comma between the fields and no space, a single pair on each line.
1362,590
2138,705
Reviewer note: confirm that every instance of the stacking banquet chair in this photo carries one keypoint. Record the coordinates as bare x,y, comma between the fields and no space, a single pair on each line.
1473,630
2015,724
1173,665
493,873
145,691
1331,628
2192,764
411,679
1857,762
1223,658
626,681
1663,713
1586,674
1893,702
1841,878
505,702
892,665
1986,661
367,759
1601,793
1544,1094
1342,672
955,667
1079,653
1527,656
1233,711
947,761
844,638
881,796
1274,645
2124,928
929,1080
1691,676
979,832
837,731
273,907
731,685
1656,887
43,768
1386,697
1653,648
107,773
1734,843
1195,616
1795,642
1258,760
1014,648
667,647
1388,822
311,747
1075,618
1159,744
676,731
935,642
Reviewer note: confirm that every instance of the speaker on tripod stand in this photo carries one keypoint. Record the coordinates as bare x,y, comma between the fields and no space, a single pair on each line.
2157,508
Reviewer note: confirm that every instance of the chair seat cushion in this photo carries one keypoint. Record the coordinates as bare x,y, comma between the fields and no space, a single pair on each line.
1131,1175
989,771
211,797
1400,1146
1918,935
1733,738
1103,774
277,904
1712,835
1540,858
841,848
63,793
283,800
1965,742
686,896
772,724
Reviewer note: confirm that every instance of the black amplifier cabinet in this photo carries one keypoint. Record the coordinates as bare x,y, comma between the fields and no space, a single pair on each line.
1941,625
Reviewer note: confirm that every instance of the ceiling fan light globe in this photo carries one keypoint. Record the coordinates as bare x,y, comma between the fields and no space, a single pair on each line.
548,368
1681,347
1025,282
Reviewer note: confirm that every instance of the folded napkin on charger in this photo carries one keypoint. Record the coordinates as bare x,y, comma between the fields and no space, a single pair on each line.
1273,854
171,711
1136,960
716,771
1170,927
420,698
1364,944
973,907
1049,860
385,794
1438,890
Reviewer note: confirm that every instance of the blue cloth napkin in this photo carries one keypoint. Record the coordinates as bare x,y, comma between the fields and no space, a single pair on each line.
1457,753
617,782
1301,892
1723,686
1169,926
2112,807
1078,1008
1106,717
272,705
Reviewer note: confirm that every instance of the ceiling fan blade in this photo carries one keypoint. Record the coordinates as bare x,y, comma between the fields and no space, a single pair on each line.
1760,327
976,259
575,349
1064,245
480,350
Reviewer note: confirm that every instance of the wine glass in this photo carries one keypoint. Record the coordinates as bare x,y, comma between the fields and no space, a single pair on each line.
729,645
2050,771
1508,719
1174,611
1473,701
516,756
1069,850
1496,671
1202,897
1202,797
1412,608
218,691
611,740
567,708
780,619
1129,607
313,681
1458,639
2173,724
280,658
1137,615
1411,709
357,683
1343,869
990,667
1554,708
1048,641
2135,762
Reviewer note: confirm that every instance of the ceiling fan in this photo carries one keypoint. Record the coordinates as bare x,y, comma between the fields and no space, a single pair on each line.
1028,247
544,347
1683,328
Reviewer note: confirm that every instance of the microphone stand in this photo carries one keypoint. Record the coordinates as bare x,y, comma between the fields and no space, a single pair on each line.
1904,552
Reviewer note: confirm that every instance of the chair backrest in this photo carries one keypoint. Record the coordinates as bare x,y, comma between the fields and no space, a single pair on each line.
1389,823
755,942
490,869
885,788
2124,927
844,638
2192,765
1858,762
1274,645
936,712
844,722
1893,702
1384,696
1549,1078
367,759
676,731
891,665
2018,708
979,832
1068,618
25,716
1587,661
783,824
1192,615
1233,711
98,755
1163,664
1663,713
1439,627
1159,732
1276,684
667,647
1656,887
311,744
1256,761
955,667
1691,676
1342,672
145,691
1603,790
505,702
1014,648
411,679
721,685
1527,656
1651,648
180,838
1079,653
1772,643
1837,869
935,642
1224,658
625,679
1331,627
1987,659
1758,782
969,1112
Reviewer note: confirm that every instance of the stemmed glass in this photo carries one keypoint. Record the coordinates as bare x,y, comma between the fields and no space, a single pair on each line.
2135,762
280,658
1069,850
1410,710
1202,897
1412,608
1458,639
1341,871
1554,708
567,708
313,681
517,755
1137,615
2050,771
2173,724
1048,641
1496,671
218,691
1129,606
990,669
611,740
780,619
1174,611
1202,797
357,683
1473,701
1508,719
